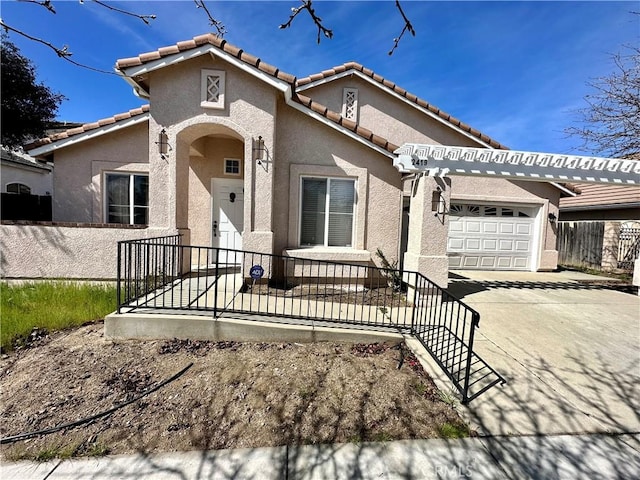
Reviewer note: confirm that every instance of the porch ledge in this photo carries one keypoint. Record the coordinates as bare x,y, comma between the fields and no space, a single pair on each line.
336,254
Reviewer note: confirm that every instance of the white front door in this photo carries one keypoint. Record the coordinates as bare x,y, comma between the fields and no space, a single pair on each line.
491,237
227,216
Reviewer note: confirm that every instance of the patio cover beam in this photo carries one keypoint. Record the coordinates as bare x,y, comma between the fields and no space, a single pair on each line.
443,160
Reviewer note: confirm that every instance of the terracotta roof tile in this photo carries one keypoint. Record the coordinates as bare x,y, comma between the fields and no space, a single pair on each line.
148,57
216,42
170,50
333,116
348,124
186,45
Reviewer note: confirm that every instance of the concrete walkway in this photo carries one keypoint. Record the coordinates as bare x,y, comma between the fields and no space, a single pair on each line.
562,457
568,348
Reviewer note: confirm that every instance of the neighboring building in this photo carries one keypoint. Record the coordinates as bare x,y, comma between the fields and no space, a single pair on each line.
26,186
232,152
23,174
601,202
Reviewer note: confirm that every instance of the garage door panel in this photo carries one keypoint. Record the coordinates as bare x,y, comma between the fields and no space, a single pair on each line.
507,228
491,242
504,262
456,226
456,244
472,244
523,229
488,262
490,227
470,261
473,226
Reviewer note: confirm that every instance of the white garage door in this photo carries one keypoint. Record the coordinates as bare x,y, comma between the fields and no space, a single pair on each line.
490,237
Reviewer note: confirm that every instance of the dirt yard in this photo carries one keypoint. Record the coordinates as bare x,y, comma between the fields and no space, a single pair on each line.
234,395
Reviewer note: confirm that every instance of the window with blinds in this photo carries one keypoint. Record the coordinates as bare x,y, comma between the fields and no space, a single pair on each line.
327,212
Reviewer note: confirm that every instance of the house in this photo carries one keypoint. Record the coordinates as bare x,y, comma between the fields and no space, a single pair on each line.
601,202
22,174
232,152
26,186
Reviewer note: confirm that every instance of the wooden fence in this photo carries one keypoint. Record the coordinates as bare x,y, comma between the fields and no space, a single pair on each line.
611,245
580,244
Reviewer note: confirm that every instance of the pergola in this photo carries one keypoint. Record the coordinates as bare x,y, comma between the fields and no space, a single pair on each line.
434,164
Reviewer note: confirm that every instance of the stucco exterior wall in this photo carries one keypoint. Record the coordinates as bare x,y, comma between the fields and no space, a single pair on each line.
306,147
36,251
78,171
392,118
249,112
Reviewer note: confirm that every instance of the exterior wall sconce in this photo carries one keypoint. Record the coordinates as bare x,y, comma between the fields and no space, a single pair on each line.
258,150
437,202
163,144
552,217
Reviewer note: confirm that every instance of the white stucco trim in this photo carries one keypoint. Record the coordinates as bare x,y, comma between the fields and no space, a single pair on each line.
396,95
89,134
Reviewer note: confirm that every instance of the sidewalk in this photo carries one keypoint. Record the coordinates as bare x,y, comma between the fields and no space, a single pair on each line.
558,457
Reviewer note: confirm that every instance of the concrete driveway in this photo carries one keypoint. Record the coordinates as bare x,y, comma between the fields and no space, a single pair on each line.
569,350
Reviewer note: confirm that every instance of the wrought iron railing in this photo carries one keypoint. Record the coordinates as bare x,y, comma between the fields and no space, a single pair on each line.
160,275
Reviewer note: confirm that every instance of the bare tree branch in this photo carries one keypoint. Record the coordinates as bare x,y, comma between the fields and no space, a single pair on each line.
308,6
144,18
610,124
43,3
63,52
407,28
217,24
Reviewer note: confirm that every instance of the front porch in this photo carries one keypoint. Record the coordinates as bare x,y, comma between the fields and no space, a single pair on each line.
170,290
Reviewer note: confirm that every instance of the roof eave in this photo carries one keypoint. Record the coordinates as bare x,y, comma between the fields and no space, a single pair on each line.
353,71
89,134
129,73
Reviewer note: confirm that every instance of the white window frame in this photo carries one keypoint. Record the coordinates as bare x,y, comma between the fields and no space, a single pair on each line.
132,204
204,80
325,243
230,174
345,95
20,185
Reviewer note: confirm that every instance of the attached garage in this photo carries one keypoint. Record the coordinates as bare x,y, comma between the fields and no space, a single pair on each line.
491,237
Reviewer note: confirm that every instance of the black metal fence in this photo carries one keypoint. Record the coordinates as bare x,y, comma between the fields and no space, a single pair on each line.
160,274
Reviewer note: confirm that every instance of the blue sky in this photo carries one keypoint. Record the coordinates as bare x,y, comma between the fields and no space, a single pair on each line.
514,70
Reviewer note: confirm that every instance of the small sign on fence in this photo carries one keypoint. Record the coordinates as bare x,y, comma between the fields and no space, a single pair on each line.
256,272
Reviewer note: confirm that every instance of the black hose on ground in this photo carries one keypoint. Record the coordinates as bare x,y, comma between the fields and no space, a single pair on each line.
46,431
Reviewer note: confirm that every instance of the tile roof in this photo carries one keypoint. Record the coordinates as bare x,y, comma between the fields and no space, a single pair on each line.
403,93
87,127
275,72
198,41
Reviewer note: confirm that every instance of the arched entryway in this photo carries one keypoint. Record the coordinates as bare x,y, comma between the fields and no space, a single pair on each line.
210,185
